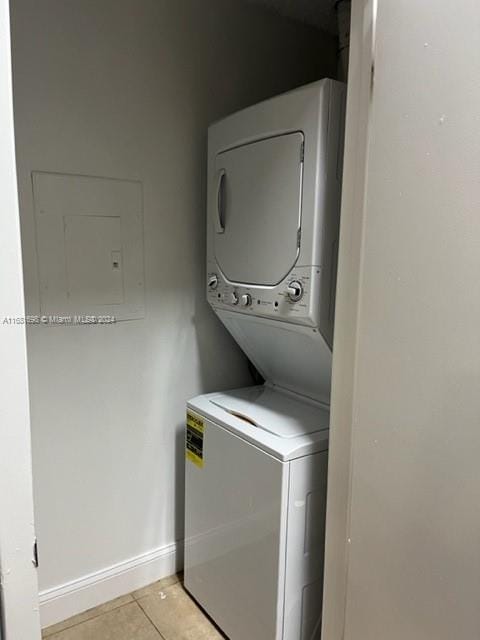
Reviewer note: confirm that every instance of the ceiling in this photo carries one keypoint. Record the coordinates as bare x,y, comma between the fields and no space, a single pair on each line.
317,13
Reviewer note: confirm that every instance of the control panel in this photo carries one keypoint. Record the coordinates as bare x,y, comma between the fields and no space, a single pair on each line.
296,299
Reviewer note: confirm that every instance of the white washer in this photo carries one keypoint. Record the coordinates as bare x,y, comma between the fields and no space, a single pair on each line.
256,476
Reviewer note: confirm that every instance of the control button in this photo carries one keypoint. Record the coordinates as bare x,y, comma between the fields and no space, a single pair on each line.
213,281
245,300
233,298
295,290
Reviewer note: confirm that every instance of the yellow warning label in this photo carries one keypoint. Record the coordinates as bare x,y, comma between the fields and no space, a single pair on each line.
194,439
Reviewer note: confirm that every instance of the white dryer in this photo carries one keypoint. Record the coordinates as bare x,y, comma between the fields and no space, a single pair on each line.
274,186
255,512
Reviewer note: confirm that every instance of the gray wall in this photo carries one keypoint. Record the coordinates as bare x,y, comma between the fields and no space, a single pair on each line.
126,89
406,438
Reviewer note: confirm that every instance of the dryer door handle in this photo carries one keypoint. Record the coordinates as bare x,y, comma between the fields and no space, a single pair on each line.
220,217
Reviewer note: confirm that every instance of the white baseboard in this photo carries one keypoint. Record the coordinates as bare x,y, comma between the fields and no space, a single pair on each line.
59,603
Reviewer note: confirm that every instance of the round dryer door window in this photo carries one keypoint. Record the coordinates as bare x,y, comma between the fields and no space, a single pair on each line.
258,208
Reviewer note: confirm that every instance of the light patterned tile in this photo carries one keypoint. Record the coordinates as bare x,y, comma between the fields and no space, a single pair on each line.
176,615
157,586
124,623
87,615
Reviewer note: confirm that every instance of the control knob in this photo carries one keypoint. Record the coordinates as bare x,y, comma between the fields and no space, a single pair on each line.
233,298
245,300
213,281
295,290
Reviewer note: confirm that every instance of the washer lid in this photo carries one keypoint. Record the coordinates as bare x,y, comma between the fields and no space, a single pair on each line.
272,420
258,209
275,412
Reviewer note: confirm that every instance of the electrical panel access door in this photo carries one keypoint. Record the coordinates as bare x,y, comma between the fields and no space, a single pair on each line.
258,209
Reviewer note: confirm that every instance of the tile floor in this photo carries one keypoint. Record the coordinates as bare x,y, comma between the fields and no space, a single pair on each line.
161,611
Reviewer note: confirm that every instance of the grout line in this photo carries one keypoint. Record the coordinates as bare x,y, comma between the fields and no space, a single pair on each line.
152,589
76,624
133,599
137,602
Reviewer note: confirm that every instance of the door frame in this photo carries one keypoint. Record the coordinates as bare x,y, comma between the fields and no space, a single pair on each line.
344,371
19,589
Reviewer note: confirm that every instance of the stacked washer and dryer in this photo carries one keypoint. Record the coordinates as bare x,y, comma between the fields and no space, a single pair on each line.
256,468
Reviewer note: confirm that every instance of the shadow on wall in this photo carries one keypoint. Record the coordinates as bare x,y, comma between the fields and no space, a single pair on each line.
211,335
180,489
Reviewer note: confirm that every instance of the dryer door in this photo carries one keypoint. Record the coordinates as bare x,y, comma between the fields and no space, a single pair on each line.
257,209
